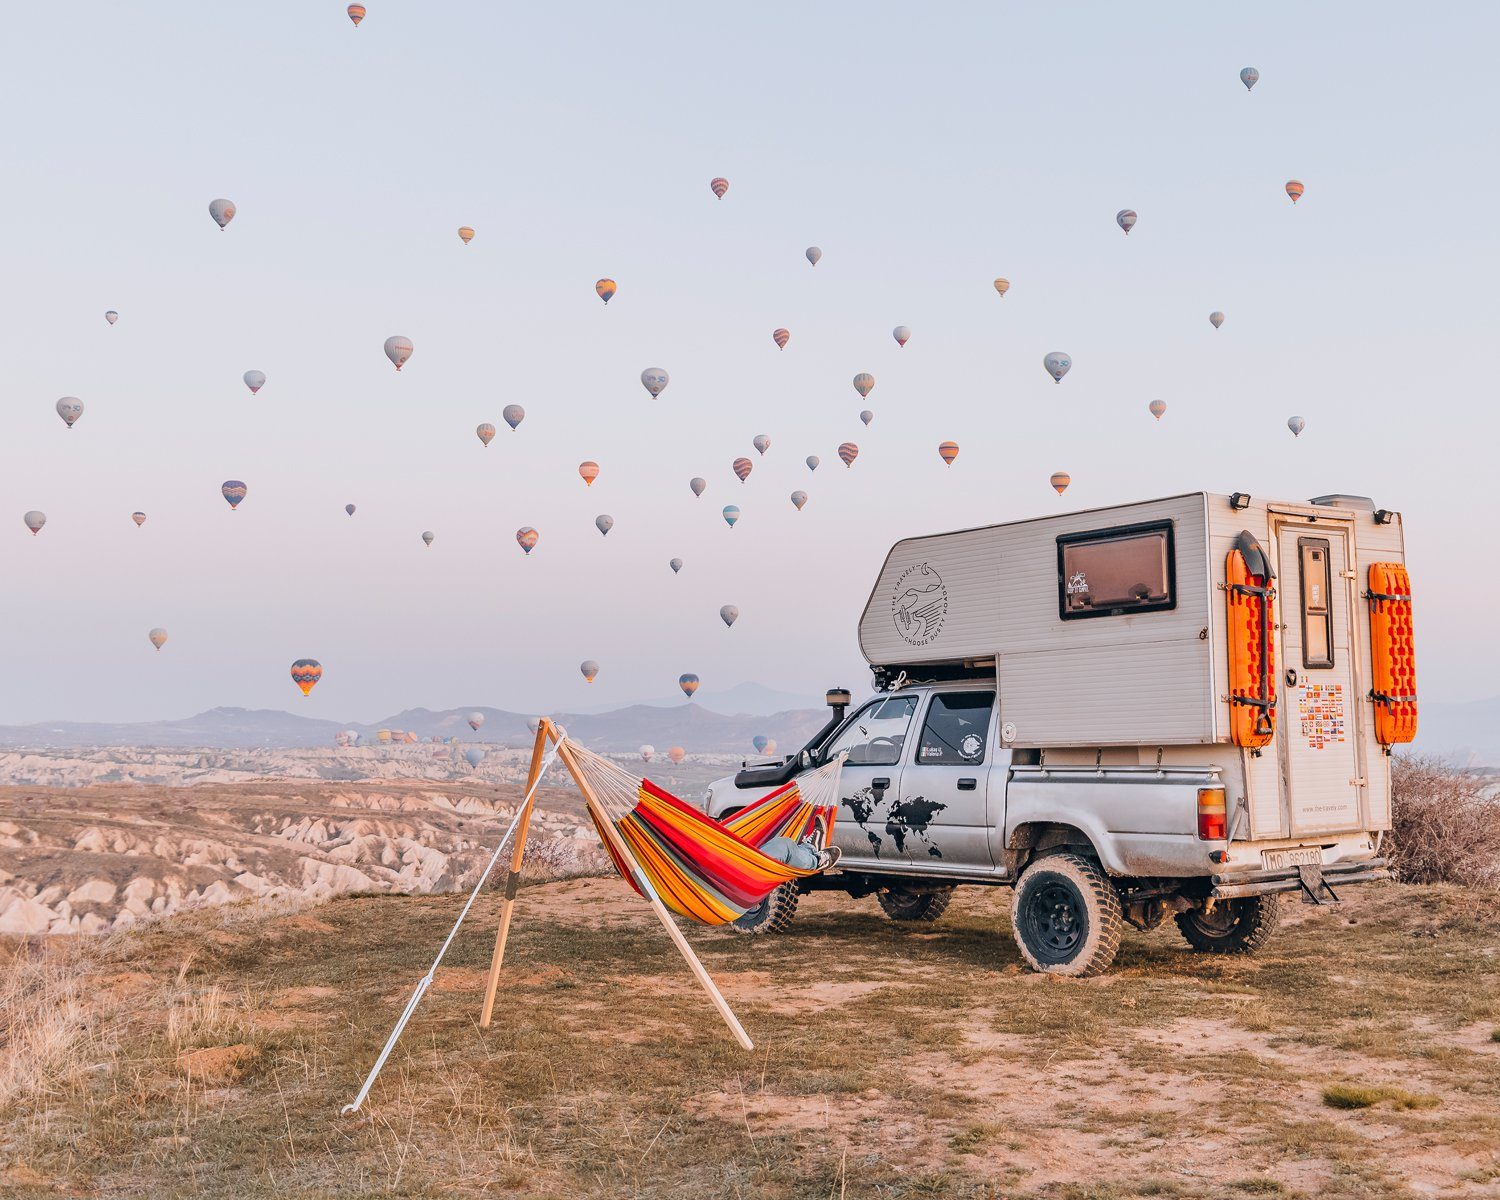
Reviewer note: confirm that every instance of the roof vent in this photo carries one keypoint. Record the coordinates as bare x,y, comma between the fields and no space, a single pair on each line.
1344,500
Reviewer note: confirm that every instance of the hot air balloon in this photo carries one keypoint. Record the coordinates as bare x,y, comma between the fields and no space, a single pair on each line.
589,668
1249,76
466,234
1002,286
70,408
813,254
255,380
398,349
1060,481
1294,189
655,380
760,741
719,186
588,471
306,672
513,415
1125,219
221,211
902,335
648,753
864,384
1058,364
485,432
731,514
604,523
111,316
349,508
1296,425
527,538
676,754
1157,408
798,500
476,719
233,491
474,755
848,451
427,536
761,442
158,637
866,416
34,521
383,736
781,337
948,451
676,565
742,468
139,518
729,614
606,289
812,461
698,484
356,13
688,683
533,724
1216,319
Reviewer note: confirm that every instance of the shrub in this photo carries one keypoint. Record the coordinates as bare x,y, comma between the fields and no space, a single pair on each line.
1445,824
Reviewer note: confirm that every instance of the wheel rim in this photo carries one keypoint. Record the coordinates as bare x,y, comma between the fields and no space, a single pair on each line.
1055,921
1221,924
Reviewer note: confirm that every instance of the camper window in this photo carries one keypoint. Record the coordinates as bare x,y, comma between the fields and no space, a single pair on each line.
876,734
1317,614
957,726
1109,572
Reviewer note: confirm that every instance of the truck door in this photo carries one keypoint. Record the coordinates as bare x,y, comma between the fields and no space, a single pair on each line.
943,800
1318,733
876,738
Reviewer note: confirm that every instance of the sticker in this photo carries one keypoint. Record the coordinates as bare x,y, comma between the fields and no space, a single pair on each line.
1320,709
971,747
1078,584
919,604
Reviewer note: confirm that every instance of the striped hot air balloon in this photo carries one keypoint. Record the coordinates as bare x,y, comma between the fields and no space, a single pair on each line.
1060,481
864,384
1294,189
688,683
466,234
781,337
356,13
1126,219
588,471
731,514
526,538
139,518
1002,286
305,674
742,468
720,185
848,451
1158,407
606,289
948,451
485,432
1216,319
233,491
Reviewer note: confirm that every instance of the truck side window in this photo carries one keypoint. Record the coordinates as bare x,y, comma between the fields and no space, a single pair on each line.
956,729
1112,572
875,737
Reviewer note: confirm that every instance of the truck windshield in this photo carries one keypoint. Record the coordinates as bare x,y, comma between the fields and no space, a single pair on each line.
877,733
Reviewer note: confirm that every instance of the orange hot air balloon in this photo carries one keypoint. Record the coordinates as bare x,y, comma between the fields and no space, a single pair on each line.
1060,481
356,13
588,471
688,683
948,451
781,337
305,673
719,185
676,754
1294,189
606,289
466,234
527,538
1002,286
848,452
742,468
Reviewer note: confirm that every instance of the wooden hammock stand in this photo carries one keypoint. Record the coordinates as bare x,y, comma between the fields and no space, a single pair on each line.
548,732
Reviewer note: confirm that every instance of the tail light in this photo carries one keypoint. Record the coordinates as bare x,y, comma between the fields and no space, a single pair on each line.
1212,815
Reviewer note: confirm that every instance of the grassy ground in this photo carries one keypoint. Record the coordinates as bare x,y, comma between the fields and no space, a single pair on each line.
209,1056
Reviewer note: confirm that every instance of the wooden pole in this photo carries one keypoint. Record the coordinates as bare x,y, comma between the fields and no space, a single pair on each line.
607,828
513,880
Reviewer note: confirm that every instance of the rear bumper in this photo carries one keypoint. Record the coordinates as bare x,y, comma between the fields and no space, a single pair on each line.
1313,881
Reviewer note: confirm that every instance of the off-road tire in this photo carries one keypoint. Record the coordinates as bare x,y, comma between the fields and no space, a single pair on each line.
901,905
1235,927
1066,916
772,915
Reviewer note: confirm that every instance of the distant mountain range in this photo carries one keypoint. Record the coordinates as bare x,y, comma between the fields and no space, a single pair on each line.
1468,734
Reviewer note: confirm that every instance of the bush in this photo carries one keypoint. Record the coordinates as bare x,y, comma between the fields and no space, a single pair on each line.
1445,824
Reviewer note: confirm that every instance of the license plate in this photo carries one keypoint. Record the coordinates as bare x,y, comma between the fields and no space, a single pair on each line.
1297,856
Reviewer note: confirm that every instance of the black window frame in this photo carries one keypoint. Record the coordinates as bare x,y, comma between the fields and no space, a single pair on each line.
1326,545
1109,534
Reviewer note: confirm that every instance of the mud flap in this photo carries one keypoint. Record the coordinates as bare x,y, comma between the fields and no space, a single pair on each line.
1315,889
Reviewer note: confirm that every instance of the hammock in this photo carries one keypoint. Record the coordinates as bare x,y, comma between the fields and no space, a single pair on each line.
710,871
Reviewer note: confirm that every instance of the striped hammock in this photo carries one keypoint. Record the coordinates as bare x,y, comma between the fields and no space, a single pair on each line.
710,871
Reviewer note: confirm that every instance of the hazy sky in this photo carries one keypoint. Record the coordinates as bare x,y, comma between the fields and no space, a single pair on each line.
925,148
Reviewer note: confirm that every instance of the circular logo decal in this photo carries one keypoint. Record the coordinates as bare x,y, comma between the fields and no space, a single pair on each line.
919,604
971,747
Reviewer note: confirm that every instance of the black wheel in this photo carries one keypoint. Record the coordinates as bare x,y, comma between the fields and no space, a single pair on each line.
1233,927
901,905
1066,916
772,915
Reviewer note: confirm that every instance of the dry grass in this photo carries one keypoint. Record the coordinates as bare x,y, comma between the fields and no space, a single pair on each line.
209,1055
1353,1095
1446,824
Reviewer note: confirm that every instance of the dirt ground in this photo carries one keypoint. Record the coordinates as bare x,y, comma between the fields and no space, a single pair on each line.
208,1055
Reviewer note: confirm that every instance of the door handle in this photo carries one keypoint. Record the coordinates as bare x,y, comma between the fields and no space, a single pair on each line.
967,784
880,785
